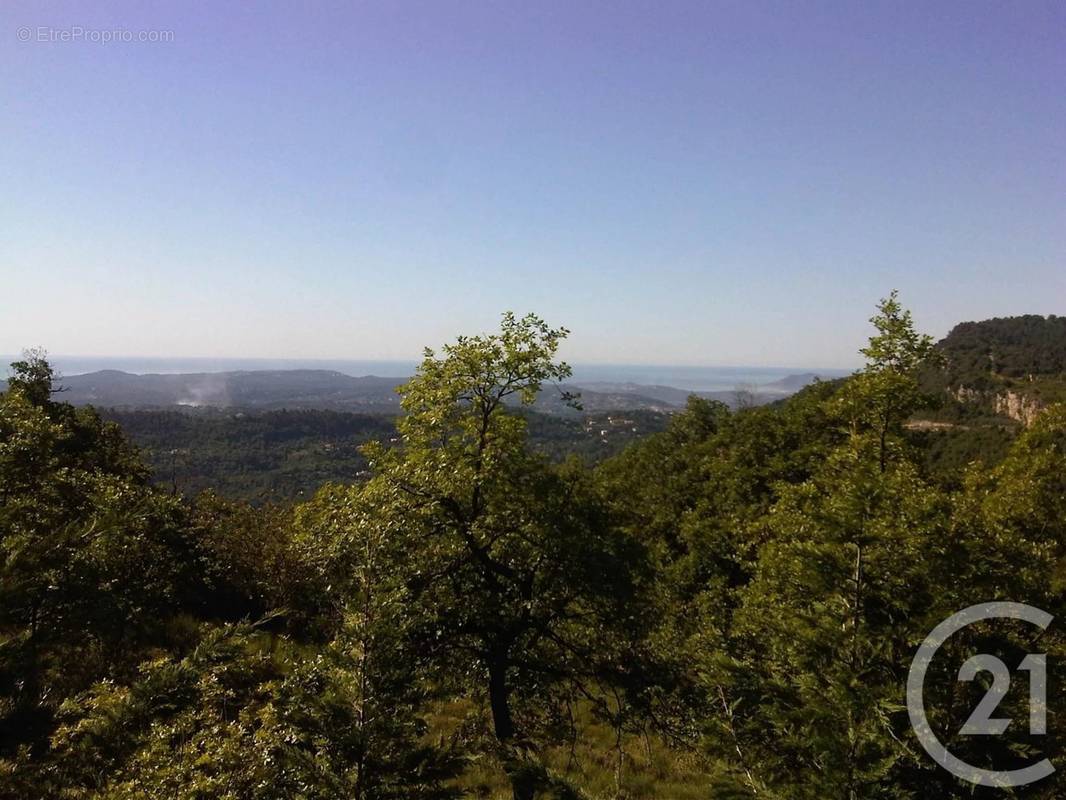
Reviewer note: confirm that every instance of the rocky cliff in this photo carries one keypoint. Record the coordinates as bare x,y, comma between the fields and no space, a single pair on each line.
1021,407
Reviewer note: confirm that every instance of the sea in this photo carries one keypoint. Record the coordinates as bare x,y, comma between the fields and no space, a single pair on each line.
690,378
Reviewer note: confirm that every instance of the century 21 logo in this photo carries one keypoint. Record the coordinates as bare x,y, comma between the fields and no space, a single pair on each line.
981,722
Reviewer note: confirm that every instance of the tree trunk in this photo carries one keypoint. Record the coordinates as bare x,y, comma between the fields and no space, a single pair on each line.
522,786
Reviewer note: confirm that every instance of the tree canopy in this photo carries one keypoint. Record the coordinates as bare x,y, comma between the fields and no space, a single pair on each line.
728,608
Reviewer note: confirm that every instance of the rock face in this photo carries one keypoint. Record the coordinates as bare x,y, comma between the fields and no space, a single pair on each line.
1017,406
1023,408
964,394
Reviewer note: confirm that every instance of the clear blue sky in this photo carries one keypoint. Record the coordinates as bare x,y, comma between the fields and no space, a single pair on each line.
702,183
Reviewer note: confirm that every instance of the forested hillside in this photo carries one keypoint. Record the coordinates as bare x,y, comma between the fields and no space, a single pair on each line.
319,389
987,364
991,380
727,608
278,456
1006,347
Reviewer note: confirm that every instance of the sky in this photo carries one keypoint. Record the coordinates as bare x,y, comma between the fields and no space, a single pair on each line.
707,183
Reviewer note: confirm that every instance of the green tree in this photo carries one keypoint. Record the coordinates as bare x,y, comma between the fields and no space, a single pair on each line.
33,378
233,720
250,566
1007,541
820,638
91,558
350,547
513,576
886,392
807,670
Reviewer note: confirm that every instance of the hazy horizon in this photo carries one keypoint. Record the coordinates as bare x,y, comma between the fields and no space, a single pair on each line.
679,376
58,358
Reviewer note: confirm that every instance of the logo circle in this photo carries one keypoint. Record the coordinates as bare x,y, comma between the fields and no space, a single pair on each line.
916,695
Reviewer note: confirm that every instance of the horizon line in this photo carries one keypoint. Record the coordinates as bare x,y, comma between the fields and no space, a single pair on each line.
417,360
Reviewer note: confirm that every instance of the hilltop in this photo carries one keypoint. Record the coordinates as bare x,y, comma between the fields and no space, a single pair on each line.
321,389
982,354
1007,367
996,378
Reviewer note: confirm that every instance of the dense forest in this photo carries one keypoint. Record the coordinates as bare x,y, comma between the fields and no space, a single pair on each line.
1024,355
276,456
1010,347
726,608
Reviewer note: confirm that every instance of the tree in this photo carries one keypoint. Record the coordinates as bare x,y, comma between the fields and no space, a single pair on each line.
807,671
93,561
513,576
250,566
111,683
1007,541
698,496
348,544
235,721
897,346
818,642
33,377
886,392
652,484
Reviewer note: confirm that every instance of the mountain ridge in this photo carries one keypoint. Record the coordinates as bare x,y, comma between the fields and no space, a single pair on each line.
332,390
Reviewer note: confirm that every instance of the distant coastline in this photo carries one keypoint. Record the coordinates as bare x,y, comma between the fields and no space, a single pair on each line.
690,378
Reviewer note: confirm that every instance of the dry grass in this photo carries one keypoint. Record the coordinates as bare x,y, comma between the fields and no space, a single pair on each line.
650,770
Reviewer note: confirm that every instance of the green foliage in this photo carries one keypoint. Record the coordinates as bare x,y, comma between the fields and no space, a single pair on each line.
231,721
822,624
897,347
257,456
284,456
249,564
727,608
32,378
91,559
1011,347
514,576
887,392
